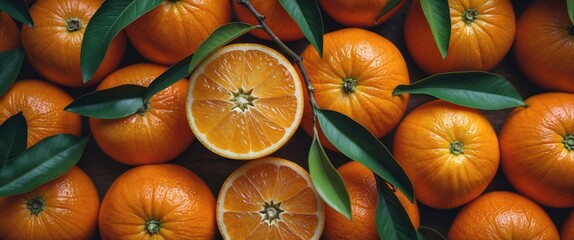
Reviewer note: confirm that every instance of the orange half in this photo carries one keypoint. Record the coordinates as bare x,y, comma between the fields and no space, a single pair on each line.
269,198
245,101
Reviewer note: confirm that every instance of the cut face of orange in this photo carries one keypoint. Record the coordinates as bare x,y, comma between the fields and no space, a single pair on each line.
245,101
269,198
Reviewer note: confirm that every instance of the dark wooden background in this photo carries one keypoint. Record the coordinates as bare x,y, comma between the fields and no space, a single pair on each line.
214,169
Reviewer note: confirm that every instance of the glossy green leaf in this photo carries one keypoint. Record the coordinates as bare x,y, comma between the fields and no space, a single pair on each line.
426,233
41,163
391,218
10,63
111,103
307,15
357,143
327,181
218,38
475,89
18,9
386,9
105,24
13,136
437,13
570,7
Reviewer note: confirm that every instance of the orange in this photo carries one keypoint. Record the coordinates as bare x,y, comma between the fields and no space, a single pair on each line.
175,28
276,18
53,46
567,232
482,32
155,134
502,215
245,101
42,104
449,152
359,13
64,208
537,149
9,33
362,188
546,23
158,201
269,198
356,77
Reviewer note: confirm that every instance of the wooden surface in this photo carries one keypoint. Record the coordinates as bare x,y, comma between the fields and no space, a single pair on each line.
214,169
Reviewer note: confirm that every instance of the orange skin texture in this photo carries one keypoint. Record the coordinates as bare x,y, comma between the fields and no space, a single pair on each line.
359,13
70,210
533,155
276,18
173,195
42,104
441,178
362,188
502,215
376,65
54,52
480,45
9,33
567,232
156,136
174,29
544,23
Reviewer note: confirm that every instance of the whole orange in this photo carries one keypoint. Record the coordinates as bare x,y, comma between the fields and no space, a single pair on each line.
64,208
276,18
9,33
537,149
359,13
450,153
42,104
356,77
546,23
482,32
567,232
502,215
158,201
174,29
362,188
53,46
156,133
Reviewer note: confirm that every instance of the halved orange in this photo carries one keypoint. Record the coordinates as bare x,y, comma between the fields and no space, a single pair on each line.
245,101
269,198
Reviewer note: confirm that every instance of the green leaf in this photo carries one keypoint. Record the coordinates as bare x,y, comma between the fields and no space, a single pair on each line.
437,13
327,181
13,136
41,163
426,233
111,103
218,38
10,63
570,7
18,9
473,89
391,218
308,16
386,9
105,24
357,143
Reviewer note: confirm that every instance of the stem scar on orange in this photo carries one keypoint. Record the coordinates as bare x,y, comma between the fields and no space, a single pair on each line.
53,46
356,76
9,33
157,133
359,13
537,149
245,101
482,33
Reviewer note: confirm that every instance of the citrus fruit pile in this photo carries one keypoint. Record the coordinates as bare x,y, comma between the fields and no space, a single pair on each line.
170,169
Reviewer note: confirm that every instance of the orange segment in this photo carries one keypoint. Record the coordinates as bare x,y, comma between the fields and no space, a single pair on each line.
269,198
245,101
